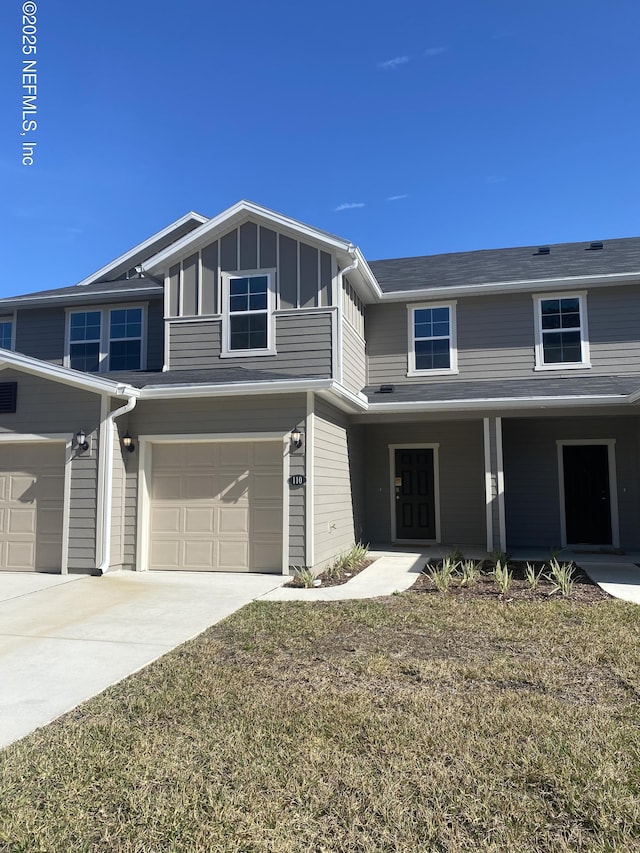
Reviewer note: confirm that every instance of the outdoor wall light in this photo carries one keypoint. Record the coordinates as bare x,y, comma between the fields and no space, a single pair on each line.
296,438
127,442
81,440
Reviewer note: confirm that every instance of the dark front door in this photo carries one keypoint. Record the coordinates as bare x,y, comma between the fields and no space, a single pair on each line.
415,494
586,493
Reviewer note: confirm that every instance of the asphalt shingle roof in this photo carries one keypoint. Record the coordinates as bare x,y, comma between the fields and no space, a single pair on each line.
218,376
87,291
502,265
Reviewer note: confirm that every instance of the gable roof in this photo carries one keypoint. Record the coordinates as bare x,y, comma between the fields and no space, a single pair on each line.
125,289
508,266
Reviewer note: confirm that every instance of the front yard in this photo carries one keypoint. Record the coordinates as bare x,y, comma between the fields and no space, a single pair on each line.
420,722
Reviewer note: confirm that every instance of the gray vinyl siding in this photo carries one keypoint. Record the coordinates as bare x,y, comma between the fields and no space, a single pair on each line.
303,344
155,335
213,416
462,486
334,517
493,467
116,551
496,336
45,407
532,490
40,333
354,366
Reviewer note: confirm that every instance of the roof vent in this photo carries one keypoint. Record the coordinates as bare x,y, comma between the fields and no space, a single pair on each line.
386,389
543,250
595,246
8,393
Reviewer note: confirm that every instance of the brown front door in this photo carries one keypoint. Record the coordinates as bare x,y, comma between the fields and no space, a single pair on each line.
415,493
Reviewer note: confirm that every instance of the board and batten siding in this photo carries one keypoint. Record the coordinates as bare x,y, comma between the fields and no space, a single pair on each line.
532,496
354,365
46,407
336,519
462,480
303,345
220,416
304,272
496,336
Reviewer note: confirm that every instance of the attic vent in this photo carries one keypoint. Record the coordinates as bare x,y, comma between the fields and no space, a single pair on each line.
8,394
543,250
595,246
386,389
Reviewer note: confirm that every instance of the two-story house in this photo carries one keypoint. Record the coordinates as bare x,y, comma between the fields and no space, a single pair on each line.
247,393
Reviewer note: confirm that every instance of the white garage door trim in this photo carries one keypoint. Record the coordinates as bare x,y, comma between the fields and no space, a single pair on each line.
145,443
67,440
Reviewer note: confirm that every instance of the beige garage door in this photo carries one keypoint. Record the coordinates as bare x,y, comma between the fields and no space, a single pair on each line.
216,506
31,502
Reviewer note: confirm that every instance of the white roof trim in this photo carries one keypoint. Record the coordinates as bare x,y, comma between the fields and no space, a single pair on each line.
271,386
86,381
501,403
37,299
493,287
142,246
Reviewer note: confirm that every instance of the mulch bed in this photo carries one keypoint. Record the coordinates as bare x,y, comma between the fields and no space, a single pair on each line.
333,581
584,590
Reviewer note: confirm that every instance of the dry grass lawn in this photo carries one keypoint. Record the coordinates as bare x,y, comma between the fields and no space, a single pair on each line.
413,723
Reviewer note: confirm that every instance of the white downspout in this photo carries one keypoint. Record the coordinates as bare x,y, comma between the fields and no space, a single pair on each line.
103,568
341,275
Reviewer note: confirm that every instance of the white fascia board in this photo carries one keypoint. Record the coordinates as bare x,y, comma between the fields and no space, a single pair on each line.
234,389
500,403
191,216
66,376
491,288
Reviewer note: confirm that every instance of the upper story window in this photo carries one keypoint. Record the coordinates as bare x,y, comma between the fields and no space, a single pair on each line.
106,339
248,314
432,339
562,339
6,333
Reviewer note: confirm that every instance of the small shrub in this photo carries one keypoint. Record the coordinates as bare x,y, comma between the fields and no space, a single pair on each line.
532,576
499,556
442,574
346,562
503,576
305,576
469,572
562,576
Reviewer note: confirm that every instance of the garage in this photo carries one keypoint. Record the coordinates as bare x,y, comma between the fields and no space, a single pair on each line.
216,506
31,506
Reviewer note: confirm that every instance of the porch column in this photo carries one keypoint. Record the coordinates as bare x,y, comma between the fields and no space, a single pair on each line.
494,485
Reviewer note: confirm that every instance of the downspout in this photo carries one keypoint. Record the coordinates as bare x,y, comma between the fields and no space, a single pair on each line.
103,568
341,276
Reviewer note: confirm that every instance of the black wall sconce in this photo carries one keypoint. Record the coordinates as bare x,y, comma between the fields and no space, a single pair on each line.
296,438
127,442
81,440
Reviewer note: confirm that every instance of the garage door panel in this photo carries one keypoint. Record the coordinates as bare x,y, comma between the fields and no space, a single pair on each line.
50,521
166,552
224,506
20,487
21,521
21,556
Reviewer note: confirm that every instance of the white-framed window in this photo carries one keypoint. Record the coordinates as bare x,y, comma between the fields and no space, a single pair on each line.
104,339
561,332
248,300
432,339
6,332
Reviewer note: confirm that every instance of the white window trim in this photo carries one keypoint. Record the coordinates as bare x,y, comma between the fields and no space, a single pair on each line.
585,362
105,331
270,349
10,318
453,339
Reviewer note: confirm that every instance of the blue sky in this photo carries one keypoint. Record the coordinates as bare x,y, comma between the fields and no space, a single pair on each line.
409,128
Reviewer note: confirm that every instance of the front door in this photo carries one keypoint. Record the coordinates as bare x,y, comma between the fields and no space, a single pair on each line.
415,493
586,493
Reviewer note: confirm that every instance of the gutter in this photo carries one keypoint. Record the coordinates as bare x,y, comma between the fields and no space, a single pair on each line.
499,402
103,567
353,266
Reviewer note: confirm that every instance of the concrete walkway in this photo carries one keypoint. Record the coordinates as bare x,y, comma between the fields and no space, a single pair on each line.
391,572
66,638
617,575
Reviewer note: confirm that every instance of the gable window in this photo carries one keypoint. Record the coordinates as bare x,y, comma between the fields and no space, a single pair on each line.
432,340
106,339
248,319
6,333
561,332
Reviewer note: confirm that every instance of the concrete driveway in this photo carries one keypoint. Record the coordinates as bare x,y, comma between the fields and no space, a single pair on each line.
65,638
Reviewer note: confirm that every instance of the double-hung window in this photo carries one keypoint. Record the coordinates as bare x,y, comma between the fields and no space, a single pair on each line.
432,339
6,333
248,320
106,339
561,331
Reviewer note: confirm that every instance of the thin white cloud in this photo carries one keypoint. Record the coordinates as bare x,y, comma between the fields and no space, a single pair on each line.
397,197
349,205
434,51
392,64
